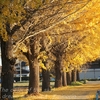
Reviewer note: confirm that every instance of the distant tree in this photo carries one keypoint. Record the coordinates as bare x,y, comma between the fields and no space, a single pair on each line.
64,80
69,77
78,76
58,52
45,59
74,75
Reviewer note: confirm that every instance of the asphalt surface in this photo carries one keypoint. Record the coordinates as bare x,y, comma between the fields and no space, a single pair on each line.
93,82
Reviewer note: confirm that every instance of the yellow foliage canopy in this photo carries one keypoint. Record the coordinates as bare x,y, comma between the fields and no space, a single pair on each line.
12,12
84,35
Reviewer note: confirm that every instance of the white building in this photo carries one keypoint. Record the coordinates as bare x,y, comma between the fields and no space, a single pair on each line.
92,72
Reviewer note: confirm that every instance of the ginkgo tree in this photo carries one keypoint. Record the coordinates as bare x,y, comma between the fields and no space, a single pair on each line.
87,49
21,19
76,29
79,28
83,37
41,22
9,15
13,15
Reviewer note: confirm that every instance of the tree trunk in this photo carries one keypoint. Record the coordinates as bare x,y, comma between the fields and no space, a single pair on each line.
7,70
74,75
34,78
64,81
34,66
58,75
46,80
69,78
78,76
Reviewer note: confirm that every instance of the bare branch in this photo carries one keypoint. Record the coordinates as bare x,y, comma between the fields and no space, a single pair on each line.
43,27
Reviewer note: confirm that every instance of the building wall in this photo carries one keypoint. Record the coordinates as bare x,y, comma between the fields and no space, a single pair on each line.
90,74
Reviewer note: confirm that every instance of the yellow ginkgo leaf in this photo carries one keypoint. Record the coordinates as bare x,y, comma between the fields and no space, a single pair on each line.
42,65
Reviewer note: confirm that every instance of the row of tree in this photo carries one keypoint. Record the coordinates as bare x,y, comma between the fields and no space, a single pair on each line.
63,32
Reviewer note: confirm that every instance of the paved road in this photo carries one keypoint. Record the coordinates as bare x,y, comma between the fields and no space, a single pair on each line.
93,82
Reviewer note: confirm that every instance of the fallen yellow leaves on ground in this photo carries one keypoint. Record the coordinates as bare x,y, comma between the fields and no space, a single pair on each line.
86,91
